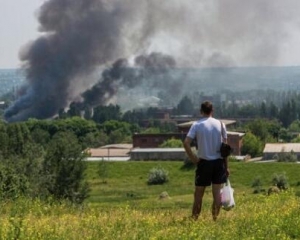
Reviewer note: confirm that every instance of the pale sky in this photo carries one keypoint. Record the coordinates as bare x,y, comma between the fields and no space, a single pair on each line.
272,31
18,25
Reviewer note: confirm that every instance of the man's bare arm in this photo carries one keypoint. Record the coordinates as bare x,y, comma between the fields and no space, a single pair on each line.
188,150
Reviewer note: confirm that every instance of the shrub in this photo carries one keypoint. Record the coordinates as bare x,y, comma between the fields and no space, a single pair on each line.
287,157
188,164
103,170
172,143
19,177
257,184
12,183
158,175
280,181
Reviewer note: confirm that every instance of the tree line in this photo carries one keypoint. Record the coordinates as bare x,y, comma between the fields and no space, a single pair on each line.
45,158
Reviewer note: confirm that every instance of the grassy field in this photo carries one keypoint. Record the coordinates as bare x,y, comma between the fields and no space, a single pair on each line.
123,206
126,182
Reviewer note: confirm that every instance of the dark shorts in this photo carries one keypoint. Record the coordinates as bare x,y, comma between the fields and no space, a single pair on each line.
210,172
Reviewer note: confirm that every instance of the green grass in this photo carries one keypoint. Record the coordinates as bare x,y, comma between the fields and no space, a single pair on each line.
123,206
274,217
126,182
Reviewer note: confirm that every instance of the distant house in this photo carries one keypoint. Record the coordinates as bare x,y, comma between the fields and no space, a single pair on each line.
153,140
271,149
234,139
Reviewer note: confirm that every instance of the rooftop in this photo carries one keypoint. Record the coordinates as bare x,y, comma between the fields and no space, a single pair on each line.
117,146
188,124
159,150
281,147
112,150
100,152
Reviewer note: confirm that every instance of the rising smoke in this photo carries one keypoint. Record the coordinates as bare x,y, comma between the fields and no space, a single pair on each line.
151,71
82,36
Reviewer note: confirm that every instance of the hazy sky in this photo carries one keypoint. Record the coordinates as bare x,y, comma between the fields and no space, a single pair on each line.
212,33
18,25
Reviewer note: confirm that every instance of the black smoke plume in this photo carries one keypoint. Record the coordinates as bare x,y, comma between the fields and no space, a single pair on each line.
79,36
153,71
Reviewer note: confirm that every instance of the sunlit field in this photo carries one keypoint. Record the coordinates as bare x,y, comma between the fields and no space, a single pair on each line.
123,206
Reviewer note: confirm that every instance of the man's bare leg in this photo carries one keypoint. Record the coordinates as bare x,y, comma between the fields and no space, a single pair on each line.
216,205
198,195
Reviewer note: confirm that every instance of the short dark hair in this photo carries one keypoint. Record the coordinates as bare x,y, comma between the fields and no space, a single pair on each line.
206,107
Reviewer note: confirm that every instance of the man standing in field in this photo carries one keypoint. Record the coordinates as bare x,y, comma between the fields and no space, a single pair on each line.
211,167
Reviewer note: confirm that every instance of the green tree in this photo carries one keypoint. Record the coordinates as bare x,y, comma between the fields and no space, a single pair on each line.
40,136
248,110
151,130
43,130
172,143
287,113
263,109
18,135
64,168
264,129
185,106
94,139
134,116
74,110
106,113
296,140
4,140
251,145
77,125
116,136
13,183
273,111
117,131
294,126
285,135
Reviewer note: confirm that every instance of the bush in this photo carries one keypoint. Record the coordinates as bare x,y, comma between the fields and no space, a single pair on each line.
103,170
257,184
12,183
286,157
19,177
158,175
188,164
172,143
280,181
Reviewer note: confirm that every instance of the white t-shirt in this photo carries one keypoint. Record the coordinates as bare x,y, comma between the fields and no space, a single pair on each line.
208,133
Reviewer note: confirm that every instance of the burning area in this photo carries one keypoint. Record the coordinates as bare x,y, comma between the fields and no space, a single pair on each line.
134,43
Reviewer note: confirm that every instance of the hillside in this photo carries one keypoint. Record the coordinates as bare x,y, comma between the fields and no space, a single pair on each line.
127,181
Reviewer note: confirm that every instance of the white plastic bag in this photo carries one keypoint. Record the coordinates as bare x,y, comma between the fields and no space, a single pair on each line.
227,200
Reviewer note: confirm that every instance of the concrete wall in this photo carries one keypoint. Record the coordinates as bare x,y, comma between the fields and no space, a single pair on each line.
158,155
